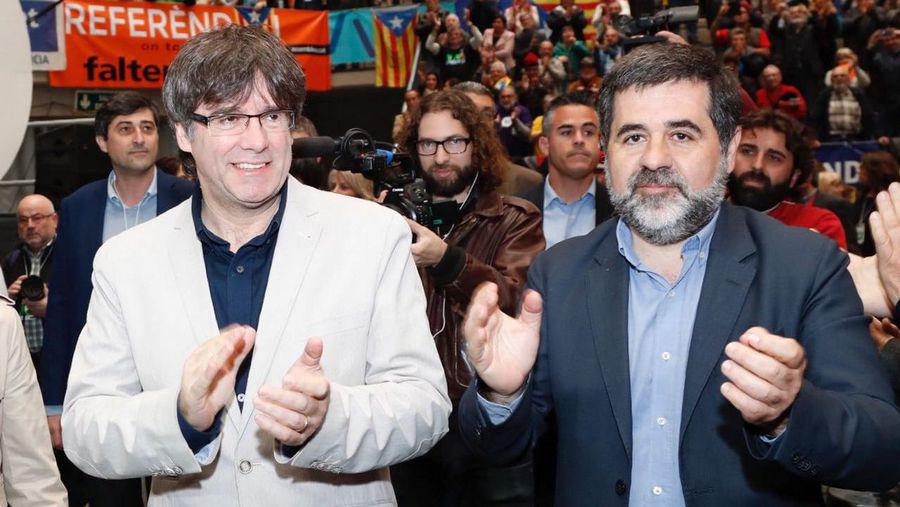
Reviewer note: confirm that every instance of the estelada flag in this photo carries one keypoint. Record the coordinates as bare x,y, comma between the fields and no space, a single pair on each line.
130,45
395,45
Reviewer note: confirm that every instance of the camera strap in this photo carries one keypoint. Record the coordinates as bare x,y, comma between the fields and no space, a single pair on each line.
43,255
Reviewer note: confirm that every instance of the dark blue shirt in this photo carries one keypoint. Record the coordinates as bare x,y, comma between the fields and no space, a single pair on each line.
237,286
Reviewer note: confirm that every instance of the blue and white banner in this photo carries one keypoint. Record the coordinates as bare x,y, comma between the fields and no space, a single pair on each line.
844,158
45,32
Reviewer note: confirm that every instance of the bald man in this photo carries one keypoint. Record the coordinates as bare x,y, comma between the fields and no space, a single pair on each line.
27,268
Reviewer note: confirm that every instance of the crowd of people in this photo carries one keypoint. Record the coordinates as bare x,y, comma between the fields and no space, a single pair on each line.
597,306
832,65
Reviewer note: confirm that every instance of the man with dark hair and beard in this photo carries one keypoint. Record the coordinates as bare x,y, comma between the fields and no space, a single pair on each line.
771,160
696,353
486,237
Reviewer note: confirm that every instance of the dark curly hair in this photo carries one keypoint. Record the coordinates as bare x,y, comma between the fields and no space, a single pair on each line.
795,138
488,156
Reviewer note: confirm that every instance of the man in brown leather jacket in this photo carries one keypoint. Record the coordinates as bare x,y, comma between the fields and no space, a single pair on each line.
484,237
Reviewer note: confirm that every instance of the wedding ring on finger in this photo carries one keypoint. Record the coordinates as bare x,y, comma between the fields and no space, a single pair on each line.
305,424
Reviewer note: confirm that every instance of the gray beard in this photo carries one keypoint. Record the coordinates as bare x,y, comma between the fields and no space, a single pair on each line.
668,218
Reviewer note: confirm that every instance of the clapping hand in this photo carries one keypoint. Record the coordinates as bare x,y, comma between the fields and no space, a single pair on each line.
294,412
765,373
207,380
502,349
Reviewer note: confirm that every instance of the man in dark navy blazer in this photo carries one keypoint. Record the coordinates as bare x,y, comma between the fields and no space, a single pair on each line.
136,191
571,199
696,353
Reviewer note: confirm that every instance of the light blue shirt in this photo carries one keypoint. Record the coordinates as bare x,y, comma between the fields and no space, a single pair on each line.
660,325
117,217
564,221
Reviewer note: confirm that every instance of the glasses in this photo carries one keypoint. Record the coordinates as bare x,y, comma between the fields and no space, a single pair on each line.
34,218
280,120
452,146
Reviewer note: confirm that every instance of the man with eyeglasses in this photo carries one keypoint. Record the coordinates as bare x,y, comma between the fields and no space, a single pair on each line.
264,343
32,260
135,192
484,237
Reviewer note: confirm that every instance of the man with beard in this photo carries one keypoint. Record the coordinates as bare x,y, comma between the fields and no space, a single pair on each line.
696,353
486,237
772,158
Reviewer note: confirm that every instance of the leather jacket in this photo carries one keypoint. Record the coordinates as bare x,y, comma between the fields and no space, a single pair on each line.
494,242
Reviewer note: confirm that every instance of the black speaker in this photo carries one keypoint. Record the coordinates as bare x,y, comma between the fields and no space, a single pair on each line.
66,159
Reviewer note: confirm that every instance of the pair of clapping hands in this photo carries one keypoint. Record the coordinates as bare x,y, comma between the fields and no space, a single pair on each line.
291,413
764,371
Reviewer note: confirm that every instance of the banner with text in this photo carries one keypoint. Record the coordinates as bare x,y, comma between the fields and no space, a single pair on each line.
45,32
130,45
844,158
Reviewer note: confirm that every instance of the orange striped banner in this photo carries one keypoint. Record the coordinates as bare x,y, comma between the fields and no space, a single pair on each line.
395,45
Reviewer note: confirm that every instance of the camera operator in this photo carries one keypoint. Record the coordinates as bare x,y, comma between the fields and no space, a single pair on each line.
493,238
27,268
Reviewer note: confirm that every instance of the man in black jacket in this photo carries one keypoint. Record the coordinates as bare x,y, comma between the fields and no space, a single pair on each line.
570,199
30,266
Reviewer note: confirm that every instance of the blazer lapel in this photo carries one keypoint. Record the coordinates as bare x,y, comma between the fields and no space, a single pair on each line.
297,238
607,298
186,258
730,271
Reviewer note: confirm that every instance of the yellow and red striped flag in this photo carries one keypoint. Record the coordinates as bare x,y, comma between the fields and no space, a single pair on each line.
395,45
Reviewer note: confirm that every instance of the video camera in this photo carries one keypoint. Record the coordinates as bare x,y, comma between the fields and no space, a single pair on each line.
641,27
356,151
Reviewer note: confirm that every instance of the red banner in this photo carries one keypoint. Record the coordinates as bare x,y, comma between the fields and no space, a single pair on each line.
130,45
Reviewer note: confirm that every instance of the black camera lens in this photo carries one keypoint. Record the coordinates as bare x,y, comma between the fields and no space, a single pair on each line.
32,288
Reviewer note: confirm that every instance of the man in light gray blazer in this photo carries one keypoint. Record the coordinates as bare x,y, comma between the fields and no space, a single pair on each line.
263,342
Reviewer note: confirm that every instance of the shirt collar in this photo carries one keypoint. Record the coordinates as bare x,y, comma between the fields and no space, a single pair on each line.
209,237
113,197
550,195
40,253
698,242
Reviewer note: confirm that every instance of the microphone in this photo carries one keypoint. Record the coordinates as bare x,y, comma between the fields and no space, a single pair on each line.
316,146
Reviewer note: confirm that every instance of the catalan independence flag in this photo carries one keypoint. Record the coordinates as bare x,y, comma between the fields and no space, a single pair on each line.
395,45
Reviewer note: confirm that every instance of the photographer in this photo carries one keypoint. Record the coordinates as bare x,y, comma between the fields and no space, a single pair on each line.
27,268
491,238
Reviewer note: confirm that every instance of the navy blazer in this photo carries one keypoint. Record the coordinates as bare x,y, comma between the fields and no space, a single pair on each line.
603,208
843,430
79,236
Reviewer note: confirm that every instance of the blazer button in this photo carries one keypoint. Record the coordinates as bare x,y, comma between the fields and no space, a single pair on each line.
621,487
245,467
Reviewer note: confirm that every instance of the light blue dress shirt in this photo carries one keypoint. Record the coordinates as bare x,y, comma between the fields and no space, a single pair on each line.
117,217
660,325
564,221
